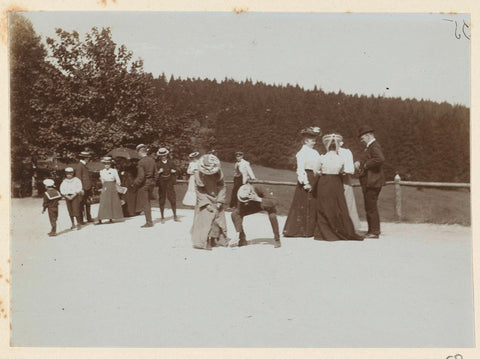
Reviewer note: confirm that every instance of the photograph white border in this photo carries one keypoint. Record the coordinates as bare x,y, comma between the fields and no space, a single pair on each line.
406,6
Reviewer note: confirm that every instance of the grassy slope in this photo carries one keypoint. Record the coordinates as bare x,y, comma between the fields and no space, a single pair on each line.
418,205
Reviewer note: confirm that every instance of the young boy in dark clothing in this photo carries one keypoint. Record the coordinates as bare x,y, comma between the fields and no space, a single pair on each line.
50,202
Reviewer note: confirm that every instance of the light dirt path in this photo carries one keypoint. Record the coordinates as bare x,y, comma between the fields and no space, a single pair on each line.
119,285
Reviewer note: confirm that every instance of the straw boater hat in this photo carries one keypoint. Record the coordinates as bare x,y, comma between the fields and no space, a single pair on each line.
209,164
48,182
85,154
107,159
140,147
162,151
364,129
69,170
311,131
194,154
244,192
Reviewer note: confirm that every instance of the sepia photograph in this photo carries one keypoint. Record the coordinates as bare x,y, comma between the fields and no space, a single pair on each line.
241,179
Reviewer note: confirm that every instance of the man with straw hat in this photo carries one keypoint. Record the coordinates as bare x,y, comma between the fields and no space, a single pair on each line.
253,199
166,183
371,178
145,183
242,174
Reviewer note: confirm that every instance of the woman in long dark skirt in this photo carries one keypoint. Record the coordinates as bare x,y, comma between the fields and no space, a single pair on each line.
128,173
301,216
110,206
333,222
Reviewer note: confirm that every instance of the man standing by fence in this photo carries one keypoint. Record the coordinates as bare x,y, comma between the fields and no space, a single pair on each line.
371,178
242,174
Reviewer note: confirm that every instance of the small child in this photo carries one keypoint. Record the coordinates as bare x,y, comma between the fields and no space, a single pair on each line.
50,201
71,189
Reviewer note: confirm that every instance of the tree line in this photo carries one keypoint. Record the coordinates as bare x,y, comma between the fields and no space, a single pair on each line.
85,91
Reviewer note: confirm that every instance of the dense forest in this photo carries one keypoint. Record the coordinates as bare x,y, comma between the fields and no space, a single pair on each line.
86,91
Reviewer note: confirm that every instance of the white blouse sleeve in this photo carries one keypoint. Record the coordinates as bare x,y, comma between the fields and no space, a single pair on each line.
348,161
78,185
301,174
192,166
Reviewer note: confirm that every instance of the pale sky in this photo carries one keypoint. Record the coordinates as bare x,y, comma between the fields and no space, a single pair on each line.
396,55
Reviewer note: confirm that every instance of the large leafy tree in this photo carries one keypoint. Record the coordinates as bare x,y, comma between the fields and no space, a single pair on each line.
102,98
27,69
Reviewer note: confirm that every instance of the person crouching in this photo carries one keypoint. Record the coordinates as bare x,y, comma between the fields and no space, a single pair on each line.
253,199
71,189
50,202
209,224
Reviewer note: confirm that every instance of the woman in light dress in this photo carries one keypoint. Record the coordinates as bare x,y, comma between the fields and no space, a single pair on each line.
348,171
209,224
333,221
110,205
301,216
190,197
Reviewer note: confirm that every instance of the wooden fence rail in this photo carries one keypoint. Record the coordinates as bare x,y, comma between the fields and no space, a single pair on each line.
397,182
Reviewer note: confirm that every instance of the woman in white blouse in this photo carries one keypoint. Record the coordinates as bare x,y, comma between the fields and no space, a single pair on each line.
301,216
190,197
333,221
110,205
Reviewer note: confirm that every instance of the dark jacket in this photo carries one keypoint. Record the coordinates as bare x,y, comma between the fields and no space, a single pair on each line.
167,174
371,166
82,172
146,172
51,198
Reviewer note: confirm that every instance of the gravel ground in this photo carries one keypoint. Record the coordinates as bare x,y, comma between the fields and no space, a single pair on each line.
117,285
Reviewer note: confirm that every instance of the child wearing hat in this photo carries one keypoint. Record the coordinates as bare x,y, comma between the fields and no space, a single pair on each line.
71,189
50,202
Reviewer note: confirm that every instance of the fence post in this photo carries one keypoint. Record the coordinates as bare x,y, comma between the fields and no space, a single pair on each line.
398,198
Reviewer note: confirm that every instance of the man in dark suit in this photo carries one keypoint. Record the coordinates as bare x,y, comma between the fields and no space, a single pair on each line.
253,199
82,172
166,183
371,178
145,183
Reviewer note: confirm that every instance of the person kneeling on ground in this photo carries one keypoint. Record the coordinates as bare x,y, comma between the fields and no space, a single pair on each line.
253,199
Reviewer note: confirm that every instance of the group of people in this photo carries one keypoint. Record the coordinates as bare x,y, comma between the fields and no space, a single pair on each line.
323,206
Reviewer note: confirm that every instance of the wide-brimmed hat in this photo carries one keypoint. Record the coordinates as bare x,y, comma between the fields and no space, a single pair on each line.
140,146
238,153
332,138
244,192
162,151
209,164
194,154
85,154
69,170
107,159
312,131
364,129
48,182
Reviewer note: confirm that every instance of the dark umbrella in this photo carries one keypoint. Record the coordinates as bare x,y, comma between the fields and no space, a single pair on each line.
124,152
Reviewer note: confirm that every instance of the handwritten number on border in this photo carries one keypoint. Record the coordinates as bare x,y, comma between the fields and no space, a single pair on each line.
458,34
456,356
